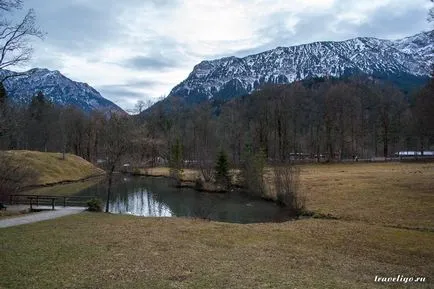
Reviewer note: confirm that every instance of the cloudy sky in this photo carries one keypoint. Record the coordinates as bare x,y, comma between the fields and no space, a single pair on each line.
134,50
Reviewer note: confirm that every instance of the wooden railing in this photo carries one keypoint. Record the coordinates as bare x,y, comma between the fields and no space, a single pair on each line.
73,201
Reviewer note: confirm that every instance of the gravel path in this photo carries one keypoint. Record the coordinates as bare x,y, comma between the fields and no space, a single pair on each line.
40,216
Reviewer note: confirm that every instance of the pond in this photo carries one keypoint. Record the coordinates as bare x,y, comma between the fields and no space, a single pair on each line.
157,197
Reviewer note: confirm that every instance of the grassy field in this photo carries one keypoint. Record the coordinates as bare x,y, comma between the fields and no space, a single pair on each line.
395,194
385,227
112,251
53,169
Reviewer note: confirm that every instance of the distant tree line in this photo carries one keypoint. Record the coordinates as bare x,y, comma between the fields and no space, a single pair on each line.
323,118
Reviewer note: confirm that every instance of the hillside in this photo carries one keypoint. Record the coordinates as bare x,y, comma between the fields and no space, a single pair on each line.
402,61
57,88
51,168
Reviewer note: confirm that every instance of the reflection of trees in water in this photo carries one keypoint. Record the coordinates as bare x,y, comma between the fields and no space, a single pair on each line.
156,197
140,203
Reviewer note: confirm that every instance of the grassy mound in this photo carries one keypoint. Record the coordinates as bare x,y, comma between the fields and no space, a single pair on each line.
52,169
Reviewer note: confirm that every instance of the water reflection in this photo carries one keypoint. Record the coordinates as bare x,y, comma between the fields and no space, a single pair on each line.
141,203
147,196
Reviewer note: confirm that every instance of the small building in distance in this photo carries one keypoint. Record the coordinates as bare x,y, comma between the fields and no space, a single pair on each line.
414,154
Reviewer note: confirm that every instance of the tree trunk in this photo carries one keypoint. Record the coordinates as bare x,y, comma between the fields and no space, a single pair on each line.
109,189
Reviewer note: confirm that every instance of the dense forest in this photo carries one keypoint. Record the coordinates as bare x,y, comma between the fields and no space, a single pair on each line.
317,119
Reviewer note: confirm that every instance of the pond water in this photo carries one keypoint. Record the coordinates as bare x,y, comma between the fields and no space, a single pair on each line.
157,197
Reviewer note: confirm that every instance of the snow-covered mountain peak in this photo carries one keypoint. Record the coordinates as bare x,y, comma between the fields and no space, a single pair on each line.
231,76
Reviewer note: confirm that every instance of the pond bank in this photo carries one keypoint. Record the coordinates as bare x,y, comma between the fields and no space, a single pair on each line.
63,182
189,179
370,192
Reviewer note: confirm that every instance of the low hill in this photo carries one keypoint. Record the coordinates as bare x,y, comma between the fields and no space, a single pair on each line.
52,169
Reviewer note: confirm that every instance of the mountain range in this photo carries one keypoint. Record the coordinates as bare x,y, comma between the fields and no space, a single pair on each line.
57,88
402,61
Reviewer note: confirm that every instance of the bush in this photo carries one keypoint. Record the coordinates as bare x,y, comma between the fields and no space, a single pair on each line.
253,172
286,180
199,183
176,161
94,205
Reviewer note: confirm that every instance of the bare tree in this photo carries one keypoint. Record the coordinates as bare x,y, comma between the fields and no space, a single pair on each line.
286,181
9,5
15,48
117,142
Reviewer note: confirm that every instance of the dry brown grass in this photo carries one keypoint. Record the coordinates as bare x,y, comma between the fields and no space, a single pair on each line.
69,189
113,251
53,169
188,175
395,194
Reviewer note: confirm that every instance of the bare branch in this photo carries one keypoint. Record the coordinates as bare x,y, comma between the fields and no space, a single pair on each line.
9,5
15,48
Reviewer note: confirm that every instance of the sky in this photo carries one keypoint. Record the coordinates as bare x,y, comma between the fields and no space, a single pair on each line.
133,50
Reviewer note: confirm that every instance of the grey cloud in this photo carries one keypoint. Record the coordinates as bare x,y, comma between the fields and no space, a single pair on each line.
382,24
74,27
140,84
149,63
115,91
122,96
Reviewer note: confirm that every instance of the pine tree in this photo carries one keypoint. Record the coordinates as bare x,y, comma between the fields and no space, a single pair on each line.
222,169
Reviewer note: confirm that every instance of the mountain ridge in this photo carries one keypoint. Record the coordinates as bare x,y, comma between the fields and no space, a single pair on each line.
56,87
231,76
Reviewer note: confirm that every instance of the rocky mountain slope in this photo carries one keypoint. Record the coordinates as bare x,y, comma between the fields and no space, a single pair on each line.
57,88
406,58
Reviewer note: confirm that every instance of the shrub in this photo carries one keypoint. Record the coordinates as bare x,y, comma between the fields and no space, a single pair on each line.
253,172
176,161
286,180
94,205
